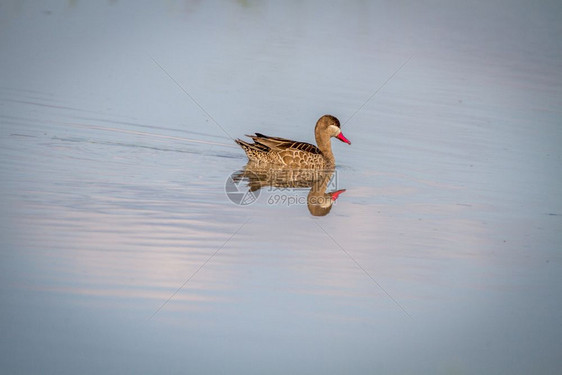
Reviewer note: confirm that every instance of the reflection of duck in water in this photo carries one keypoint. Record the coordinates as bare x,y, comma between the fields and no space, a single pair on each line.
319,201
293,154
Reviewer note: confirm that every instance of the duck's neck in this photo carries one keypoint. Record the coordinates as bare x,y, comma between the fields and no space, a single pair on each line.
324,143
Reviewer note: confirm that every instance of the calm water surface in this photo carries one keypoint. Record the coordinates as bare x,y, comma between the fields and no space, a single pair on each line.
121,253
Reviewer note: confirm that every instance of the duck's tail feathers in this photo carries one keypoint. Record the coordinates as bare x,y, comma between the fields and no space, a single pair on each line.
251,148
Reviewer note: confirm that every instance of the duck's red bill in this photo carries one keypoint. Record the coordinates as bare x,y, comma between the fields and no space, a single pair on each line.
342,138
336,194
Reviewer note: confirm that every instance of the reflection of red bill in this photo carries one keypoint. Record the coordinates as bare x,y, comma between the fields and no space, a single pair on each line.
336,194
342,138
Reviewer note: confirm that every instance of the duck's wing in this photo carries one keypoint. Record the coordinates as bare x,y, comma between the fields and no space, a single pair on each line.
281,144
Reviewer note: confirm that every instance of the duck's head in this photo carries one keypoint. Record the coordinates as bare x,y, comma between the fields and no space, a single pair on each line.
330,125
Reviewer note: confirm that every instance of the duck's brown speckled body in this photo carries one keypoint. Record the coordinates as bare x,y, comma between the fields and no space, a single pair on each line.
294,154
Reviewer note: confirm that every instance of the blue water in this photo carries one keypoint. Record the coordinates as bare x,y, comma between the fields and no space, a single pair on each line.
121,252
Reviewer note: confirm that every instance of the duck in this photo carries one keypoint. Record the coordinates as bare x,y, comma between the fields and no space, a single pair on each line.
295,154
